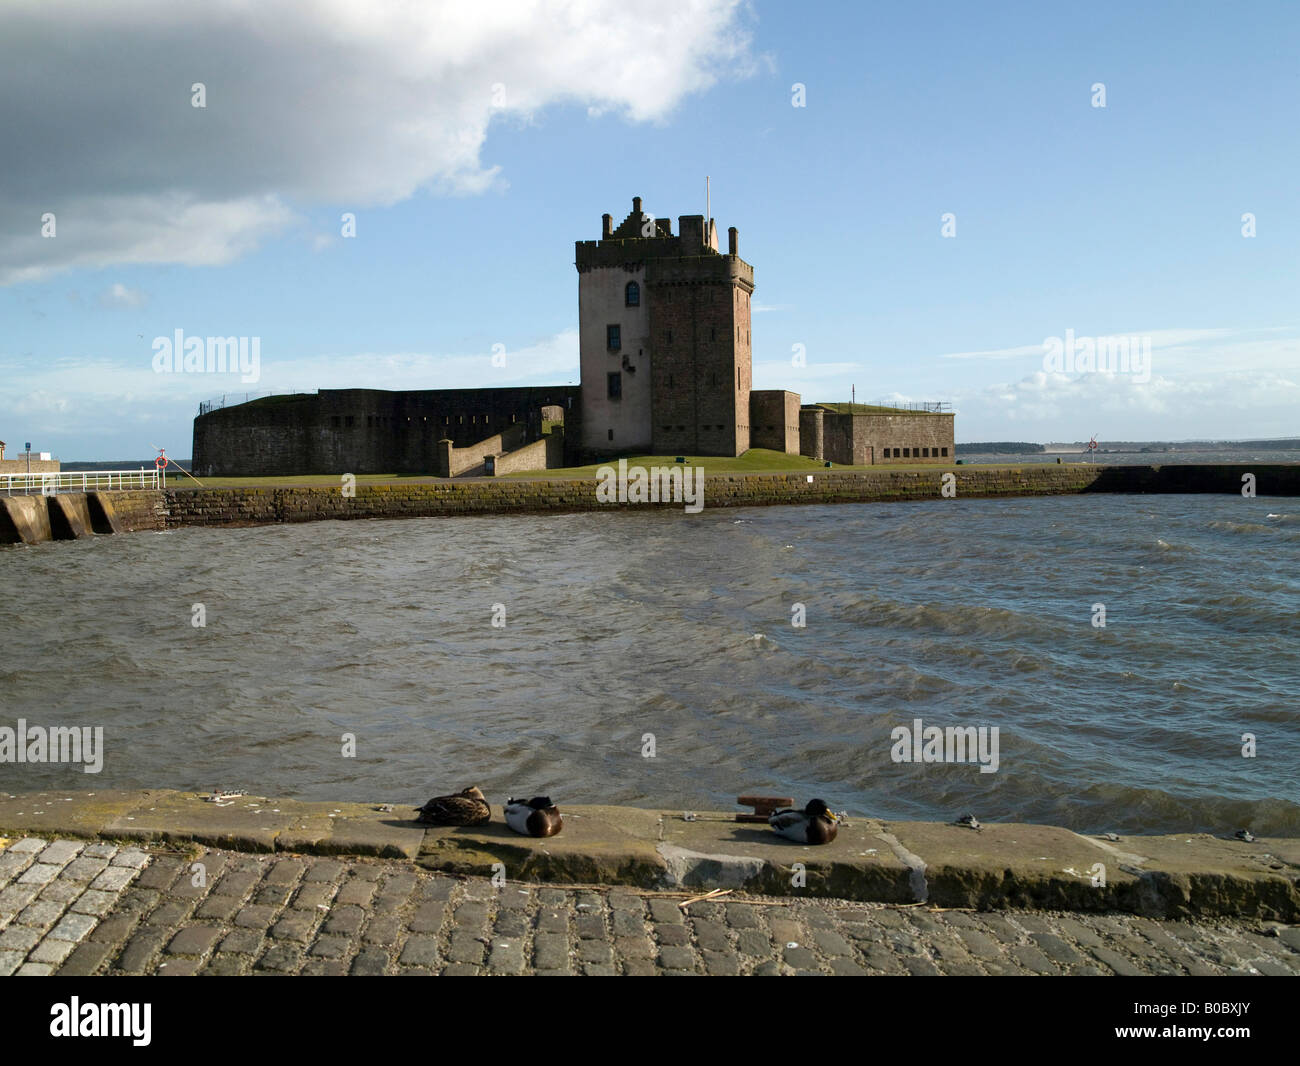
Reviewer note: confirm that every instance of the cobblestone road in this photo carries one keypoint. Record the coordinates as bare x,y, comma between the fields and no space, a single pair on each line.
68,907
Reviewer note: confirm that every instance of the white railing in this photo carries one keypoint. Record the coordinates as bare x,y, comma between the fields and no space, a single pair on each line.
48,484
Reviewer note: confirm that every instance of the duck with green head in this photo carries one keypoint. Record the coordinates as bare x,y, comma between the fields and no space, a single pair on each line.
815,824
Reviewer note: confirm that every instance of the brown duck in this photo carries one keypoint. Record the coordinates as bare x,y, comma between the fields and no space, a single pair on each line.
467,807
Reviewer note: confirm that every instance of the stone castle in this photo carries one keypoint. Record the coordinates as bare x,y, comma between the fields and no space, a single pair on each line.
666,369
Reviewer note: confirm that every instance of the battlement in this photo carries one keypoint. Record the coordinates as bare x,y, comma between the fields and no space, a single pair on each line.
627,244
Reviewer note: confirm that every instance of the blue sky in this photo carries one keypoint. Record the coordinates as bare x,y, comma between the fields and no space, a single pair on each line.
475,147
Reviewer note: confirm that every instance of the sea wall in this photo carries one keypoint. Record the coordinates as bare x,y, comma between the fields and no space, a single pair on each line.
35,519
252,506
138,508
27,518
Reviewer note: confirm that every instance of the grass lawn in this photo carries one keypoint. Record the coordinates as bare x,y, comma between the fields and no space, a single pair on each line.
873,409
754,461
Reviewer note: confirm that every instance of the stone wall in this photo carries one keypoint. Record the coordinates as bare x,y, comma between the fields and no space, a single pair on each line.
847,439
774,420
365,431
159,509
701,362
544,454
71,515
20,466
139,508
468,462
507,496
871,439
927,437
812,431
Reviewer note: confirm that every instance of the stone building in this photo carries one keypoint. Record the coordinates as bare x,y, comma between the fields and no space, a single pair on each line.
664,327
859,435
666,369
369,431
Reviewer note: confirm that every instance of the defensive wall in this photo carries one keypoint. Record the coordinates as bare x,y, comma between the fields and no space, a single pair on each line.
367,431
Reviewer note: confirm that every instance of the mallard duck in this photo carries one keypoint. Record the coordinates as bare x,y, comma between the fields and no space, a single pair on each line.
815,824
467,807
537,817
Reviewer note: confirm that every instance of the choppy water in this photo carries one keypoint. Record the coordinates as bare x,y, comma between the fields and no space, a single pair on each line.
966,612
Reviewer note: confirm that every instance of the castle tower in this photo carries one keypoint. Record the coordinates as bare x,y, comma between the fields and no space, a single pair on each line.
664,338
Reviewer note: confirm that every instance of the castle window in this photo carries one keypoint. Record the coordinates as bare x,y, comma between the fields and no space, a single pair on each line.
925,453
613,340
348,421
334,421
670,336
632,294
611,434
945,452
907,453
713,333
615,387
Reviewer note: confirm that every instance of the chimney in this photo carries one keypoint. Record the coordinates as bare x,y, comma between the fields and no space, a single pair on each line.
636,206
733,241
606,225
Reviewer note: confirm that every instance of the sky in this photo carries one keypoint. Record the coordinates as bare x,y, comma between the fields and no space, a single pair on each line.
931,194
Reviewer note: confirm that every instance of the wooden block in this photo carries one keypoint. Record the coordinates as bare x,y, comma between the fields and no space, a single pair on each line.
763,806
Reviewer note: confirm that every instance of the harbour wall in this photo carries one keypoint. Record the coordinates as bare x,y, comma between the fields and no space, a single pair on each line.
159,509
254,506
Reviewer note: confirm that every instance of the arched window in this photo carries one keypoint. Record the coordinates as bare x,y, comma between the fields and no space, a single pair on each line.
632,294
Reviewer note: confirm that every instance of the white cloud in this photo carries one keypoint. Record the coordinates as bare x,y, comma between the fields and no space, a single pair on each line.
122,296
99,389
361,102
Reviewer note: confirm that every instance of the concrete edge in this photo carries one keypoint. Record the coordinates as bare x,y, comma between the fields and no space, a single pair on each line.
1007,865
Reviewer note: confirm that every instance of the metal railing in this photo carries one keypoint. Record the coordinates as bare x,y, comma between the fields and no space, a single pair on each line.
234,399
933,406
49,484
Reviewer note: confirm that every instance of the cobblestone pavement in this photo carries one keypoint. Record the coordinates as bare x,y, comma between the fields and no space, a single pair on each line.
69,907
